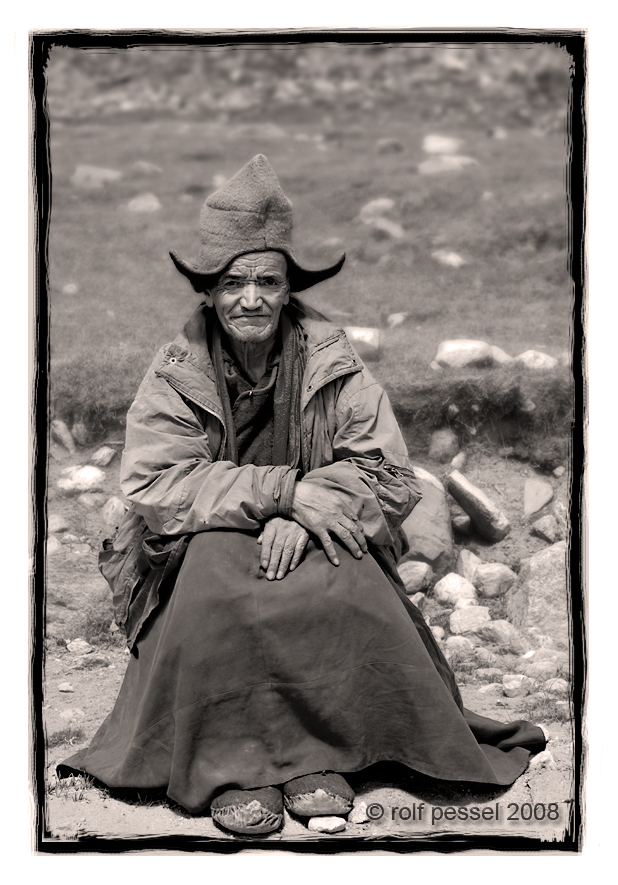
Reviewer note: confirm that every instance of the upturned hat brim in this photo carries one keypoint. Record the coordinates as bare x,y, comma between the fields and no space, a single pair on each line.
300,278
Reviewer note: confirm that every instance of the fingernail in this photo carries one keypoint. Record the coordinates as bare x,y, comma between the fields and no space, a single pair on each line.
336,561
271,576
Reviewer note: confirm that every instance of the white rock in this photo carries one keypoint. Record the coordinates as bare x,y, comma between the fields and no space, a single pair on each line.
449,259
81,549
326,824
467,565
52,545
533,359
494,688
493,673
546,528
143,167
82,479
493,579
389,227
469,620
396,319
542,669
144,203
73,714
376,209
415,575
556,686
62,433
484,656
79,647
94,177
425,475
460,643
70,289
462,352
459,461
358,815
103,456
543,761
365,340
453,587
465,602
516,685
438,632
56,523
536,495
90,501
80,433
500,357
558,471
113,511
440,144
445,163
419,600
66,687
434,366
69,539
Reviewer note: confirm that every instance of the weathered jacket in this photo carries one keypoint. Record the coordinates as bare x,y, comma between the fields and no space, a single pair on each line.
350,442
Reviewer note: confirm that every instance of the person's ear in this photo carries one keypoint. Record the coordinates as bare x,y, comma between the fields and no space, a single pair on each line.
286,300
208,298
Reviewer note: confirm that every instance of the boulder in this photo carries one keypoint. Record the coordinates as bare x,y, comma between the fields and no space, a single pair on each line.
461,522
499,356
533,359
542,669
462,352
516,685
467,565
537,494
69,539
80,433
90,501
415,575
558,471
460,643
428,527
144,203
445,163
143,167
419,600
365,340
94,177
543,761
376,209
443,445
103,456
434,366
492,673
469,620
390,146
426,476
465,601
396,319
486,517
546,528
459,461
438,632
79,647
492,689
503,634
484,656
62,434
441,144
358,815
556,686
82,479
452,588
113,511
56,523
537,603
560,514
493,579
52,545
448,259
66,687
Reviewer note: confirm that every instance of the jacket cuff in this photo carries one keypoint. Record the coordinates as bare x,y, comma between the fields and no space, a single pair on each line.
286,494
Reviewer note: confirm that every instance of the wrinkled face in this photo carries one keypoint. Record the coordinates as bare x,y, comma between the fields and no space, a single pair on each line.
249,296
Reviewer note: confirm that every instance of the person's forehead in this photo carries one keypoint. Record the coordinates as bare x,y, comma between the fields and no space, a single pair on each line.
258,262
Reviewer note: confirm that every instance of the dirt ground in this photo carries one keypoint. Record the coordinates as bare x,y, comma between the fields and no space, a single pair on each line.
538,805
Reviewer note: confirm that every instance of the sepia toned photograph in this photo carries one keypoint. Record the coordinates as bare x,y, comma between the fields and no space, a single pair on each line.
309,409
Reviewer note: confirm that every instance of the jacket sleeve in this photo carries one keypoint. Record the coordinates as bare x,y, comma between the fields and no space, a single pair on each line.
370,470
170,475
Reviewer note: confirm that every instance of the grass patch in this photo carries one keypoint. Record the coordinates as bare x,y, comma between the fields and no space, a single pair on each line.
546,708
70,735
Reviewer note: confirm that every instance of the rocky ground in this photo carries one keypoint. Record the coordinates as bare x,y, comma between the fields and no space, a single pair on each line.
521,670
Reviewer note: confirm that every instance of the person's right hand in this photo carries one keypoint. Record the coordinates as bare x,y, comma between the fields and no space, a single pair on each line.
319,510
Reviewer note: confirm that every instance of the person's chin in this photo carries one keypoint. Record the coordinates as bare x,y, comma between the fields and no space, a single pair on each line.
250,333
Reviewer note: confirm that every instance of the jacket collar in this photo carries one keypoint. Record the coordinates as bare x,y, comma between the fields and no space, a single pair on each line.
187,364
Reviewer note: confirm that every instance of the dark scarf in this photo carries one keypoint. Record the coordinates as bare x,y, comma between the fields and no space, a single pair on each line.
262,421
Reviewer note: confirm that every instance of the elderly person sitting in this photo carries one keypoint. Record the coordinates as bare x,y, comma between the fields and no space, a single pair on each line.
273,645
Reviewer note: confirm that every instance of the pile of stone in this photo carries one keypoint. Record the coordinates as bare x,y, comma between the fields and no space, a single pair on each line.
463,353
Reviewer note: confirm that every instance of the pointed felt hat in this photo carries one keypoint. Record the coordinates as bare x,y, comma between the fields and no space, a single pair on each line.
250,213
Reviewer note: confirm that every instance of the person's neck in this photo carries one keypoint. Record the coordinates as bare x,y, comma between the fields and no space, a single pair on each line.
252,356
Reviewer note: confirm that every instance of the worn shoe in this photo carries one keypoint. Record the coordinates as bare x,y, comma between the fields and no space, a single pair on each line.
250,812
314,795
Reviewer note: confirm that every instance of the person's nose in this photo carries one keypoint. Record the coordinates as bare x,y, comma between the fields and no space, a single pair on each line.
251,298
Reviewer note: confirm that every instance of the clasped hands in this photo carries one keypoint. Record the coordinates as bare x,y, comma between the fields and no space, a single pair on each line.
315,511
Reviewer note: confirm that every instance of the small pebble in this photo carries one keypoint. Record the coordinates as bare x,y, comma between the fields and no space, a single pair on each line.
358,815
65,686
558,472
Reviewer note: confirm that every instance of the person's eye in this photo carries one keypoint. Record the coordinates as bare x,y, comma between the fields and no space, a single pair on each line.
270,281
232,284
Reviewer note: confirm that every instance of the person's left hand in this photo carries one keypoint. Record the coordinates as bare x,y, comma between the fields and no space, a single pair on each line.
283,544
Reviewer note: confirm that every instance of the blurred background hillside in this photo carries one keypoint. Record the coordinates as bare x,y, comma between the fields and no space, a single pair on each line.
342,125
